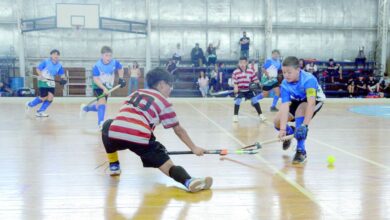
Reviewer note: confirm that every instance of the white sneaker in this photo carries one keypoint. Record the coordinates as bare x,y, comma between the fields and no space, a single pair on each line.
82,112
235,118
262,117
198,184
41,114
27,108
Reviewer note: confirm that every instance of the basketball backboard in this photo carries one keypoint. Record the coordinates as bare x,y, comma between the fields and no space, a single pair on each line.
77,16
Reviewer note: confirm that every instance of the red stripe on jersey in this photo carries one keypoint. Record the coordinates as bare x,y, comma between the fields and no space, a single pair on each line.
171,125
134,121
130,142
132,110
130,131
167,116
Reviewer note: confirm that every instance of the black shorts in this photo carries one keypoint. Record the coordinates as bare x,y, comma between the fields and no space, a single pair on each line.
294,105
153,155
43,92
99,92
247,95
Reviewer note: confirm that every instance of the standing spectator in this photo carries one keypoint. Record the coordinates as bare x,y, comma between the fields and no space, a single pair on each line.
334,70
372,85
212,53
360,59
203,82
384,86
244,42
177,55
135,74
301,64
197,56
360,86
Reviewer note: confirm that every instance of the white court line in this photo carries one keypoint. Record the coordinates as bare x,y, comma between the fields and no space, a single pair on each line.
293,183
332,147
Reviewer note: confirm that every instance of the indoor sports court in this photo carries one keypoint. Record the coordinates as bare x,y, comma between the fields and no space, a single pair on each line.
194,109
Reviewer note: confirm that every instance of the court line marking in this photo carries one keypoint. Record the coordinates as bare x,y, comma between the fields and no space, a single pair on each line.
293,183
327,145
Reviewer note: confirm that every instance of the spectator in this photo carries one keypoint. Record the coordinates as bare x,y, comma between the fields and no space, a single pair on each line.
311,67
171,66
203,82
214,79
197,56
301,64
222,74
360,86
334,70
212,53
135,74
5,90
254,66
360,59
351,85
177,55
244,42
384,86
372,85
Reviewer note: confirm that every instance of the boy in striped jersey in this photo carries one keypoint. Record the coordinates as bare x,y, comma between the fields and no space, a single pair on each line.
133,129
242,78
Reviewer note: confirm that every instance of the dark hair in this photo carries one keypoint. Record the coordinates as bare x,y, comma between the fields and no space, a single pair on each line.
244,58
385,74
106,49
154,76
276,51
54,51
291,61
331,60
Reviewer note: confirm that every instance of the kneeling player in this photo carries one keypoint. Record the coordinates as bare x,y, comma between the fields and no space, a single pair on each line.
133,129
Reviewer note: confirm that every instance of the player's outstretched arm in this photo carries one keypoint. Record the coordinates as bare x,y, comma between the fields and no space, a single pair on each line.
100,84
183,136
311,103
283,112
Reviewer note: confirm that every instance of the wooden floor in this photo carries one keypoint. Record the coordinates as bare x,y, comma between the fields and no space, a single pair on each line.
48,167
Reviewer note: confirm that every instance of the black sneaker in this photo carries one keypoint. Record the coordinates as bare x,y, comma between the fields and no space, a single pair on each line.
299,158
274,109
287,143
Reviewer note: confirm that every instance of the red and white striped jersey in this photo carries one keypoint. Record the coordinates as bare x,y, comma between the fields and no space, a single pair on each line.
243,78
138,117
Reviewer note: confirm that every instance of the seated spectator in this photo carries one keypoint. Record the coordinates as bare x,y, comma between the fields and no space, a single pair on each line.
171,66
302,64
214,84
203,83
177,55
212,53
222,75
360,59
334,70
372,85
384,86
360,86
311,67
5,90
197,56
351,85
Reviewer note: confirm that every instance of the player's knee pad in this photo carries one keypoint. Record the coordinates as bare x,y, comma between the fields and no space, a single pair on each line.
237,101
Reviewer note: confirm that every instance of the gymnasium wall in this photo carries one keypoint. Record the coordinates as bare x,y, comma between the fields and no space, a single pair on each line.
305,28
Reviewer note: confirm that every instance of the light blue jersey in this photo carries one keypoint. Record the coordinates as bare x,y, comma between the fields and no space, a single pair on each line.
49,70
106,72
298,91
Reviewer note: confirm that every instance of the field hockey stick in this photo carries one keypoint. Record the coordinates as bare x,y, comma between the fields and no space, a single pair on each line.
221,152
227,92
103,95
43,78
258,145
